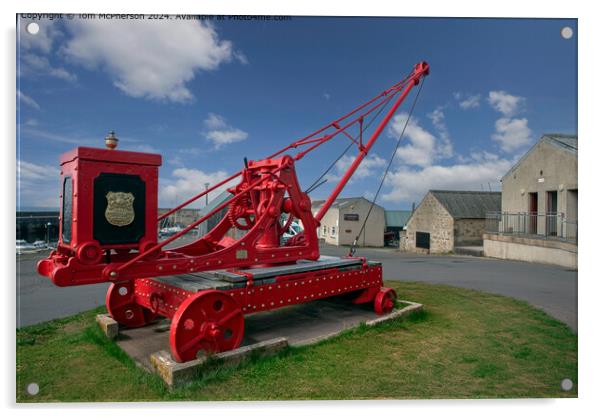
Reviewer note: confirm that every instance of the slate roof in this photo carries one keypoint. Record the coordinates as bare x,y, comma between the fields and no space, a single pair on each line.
340,202
219,199
567,142
468,204
397,218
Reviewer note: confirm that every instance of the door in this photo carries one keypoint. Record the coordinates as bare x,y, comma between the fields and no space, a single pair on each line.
551,213
532,223
423,240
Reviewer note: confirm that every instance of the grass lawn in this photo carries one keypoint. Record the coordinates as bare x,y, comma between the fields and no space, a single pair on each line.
466,344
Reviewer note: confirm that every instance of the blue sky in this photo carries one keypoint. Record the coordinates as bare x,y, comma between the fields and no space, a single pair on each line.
205,95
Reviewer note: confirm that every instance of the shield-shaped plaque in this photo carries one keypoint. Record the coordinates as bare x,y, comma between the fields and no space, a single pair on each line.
120,208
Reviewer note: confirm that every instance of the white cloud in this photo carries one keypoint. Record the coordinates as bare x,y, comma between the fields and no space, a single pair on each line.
33,64
215,121
410,185
141,147
505,103
220,133
421,149
512,134
188,182
37,185
25,99
367,168
445,148
150,59
467,101
56,137
41,41
471,102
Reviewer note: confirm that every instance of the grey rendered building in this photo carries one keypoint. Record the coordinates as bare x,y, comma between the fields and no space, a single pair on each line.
544,181
538,218
344,219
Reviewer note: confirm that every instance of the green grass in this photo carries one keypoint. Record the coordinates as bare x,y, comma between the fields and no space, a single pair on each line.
466,344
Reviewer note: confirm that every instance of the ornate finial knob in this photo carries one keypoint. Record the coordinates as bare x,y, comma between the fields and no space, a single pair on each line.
111,140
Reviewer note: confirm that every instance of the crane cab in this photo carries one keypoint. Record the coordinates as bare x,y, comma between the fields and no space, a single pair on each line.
108,202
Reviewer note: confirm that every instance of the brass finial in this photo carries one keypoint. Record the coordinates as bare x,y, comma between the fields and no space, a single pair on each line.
111,140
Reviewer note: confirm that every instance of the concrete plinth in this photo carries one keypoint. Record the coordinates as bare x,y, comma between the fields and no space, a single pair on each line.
265,334
108,326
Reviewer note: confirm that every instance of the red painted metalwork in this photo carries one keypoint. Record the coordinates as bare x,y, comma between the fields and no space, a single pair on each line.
385,301
266,190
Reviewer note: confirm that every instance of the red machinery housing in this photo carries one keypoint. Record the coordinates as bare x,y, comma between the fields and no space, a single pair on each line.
108,233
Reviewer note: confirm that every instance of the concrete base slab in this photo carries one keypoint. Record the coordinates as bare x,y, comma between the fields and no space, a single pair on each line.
108,326
177,374
265,333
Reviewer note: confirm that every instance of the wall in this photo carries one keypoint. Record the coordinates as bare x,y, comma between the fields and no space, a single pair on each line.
469,232
330,220
545,168
530,250
430,217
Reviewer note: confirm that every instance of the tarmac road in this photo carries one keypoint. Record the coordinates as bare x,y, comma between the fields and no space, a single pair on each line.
551,288
548,287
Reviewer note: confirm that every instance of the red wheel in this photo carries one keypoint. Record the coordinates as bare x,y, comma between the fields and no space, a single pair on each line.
122,306
384,301
210,320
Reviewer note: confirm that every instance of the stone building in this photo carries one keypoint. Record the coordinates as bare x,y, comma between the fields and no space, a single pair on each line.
447,219
344,219
538,218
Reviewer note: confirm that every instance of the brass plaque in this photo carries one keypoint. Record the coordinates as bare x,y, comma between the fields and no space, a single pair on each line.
120,208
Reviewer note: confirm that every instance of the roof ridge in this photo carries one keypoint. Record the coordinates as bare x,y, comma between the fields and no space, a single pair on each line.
465,191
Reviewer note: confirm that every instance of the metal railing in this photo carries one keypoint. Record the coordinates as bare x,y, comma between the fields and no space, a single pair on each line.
540,225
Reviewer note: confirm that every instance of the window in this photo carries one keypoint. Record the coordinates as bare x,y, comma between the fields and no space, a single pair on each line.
333,231
325,230
67,215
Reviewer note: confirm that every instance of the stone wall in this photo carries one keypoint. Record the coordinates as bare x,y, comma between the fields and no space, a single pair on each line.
469,232
430,217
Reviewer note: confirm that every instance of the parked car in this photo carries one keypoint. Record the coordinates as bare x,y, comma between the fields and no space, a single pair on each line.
294,229
40,244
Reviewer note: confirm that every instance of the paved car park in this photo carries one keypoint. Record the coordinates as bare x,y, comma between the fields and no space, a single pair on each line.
551,288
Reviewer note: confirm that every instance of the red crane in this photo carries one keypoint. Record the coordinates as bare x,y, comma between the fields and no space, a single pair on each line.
108,233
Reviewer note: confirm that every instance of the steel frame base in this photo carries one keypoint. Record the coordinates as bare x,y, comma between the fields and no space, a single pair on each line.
208,315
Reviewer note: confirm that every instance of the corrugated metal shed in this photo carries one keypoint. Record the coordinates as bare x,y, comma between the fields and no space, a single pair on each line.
468,204
397,218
